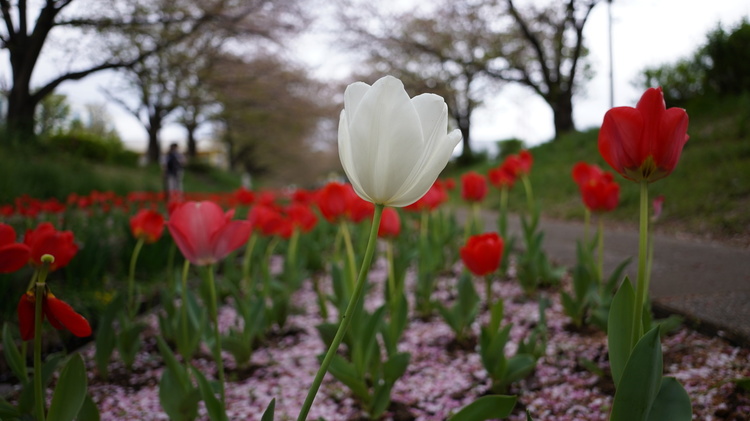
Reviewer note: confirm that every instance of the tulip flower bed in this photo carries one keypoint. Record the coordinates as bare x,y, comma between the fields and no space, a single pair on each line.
442,377
335,305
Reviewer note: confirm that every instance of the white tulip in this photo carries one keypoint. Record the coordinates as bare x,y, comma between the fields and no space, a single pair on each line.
393,147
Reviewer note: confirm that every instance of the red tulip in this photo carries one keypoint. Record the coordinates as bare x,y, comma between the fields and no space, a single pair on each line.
358,208
583,172
390,224
302,216
244,196
332,201
644,143
148,225
502,177
601,193
434,197
474,187
482,253
45,239
204,233
265,219
59,313
13,256
525,161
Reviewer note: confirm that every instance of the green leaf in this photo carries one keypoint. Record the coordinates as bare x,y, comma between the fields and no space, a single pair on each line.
214,406
179,401
13,355
268,413
8,411
347,374
672,403
620,329
70,391
528,416
486,408
89,411
396,366
519,366
640,380
173,366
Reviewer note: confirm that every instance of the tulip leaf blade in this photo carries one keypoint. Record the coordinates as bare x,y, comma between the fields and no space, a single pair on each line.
485,408
620,329
672,402
641,380
70,391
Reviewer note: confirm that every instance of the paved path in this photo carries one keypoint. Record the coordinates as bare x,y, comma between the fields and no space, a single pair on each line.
707,283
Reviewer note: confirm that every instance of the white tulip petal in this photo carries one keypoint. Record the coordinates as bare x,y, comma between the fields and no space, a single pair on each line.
432,166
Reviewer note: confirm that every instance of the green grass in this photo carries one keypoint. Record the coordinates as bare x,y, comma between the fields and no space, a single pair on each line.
707,195
43,174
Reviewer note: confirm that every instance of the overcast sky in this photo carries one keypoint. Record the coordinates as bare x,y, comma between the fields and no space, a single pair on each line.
645,33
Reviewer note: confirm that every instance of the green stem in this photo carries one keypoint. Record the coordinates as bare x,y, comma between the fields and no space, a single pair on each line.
650,261
183,309
488,290
586,222
246,278
170,266
503,223
39,399
349,254
529,193
132,309
213,308
600,248
640,288
393,293
267,267
39,295
347,316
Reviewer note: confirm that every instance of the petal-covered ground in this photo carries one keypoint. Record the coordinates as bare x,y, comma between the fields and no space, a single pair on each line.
441,377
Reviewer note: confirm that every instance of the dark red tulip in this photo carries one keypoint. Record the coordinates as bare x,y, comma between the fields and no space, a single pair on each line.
13,255
45,239
59,313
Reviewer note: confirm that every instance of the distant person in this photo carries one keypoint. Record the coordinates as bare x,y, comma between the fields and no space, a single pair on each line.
173,165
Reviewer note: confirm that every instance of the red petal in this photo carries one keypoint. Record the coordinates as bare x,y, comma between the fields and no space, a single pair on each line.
13,257
231,237
620,139
26,316
7,234
61,312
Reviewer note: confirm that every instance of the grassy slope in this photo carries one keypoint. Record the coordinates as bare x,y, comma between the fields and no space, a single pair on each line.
49,174
708,194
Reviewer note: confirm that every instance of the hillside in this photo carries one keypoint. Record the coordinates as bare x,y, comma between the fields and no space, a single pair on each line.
707,196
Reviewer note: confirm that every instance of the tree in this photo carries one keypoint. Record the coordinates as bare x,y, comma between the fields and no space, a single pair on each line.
542,49
172,78
26,44
271,115
442,52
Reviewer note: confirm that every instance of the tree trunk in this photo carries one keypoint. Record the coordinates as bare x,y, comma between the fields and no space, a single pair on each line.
467,154
192,143
154,148
21,109
562,109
